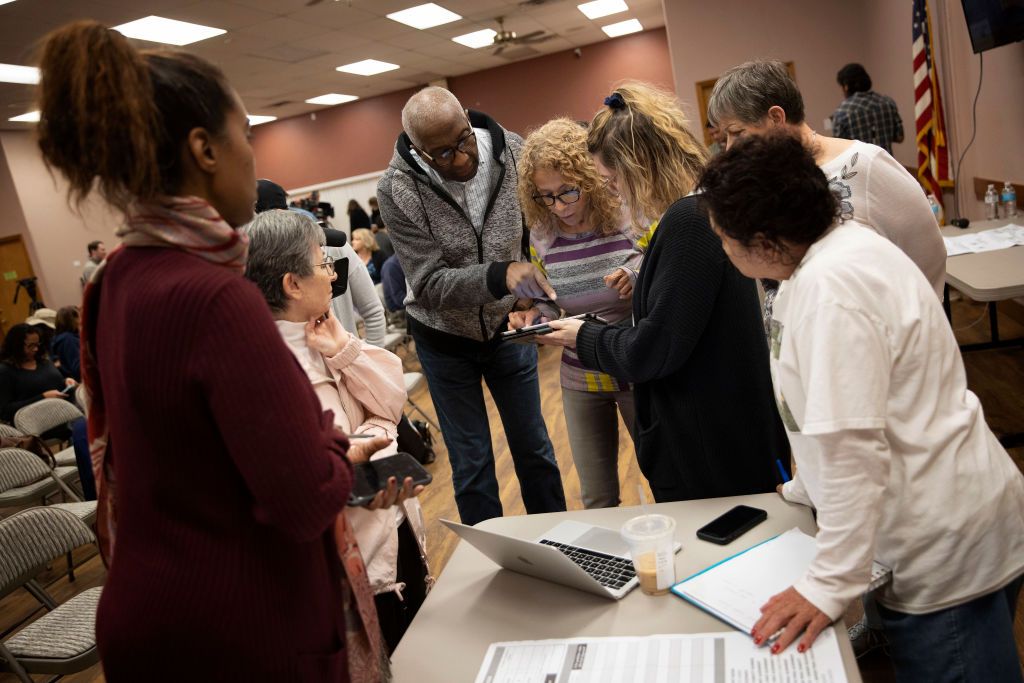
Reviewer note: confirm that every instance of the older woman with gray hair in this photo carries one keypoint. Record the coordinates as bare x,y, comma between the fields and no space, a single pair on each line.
873,188
361,384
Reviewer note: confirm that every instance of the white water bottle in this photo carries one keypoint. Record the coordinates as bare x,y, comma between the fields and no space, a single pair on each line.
1009,197
991,203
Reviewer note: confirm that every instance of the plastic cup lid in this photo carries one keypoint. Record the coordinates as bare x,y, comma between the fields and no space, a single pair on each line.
648,526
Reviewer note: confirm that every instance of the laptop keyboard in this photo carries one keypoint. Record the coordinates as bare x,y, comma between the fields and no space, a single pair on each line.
610,571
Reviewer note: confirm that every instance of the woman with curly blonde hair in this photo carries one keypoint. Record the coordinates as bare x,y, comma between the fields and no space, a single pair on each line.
706,422
581,241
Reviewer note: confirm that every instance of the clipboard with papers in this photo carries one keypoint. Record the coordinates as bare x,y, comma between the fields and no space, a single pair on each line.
734,589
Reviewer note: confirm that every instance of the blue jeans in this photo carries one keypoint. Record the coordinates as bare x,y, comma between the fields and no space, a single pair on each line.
968,643
80,440
510,371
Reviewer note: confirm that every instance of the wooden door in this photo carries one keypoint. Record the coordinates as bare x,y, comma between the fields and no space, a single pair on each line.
14,266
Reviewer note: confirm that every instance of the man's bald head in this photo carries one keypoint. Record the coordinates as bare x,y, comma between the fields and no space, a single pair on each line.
428,110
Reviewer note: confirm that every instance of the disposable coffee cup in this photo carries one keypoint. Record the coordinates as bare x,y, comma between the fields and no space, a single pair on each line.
651,540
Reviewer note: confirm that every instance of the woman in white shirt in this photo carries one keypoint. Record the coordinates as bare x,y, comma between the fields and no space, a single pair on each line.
891,448
874,189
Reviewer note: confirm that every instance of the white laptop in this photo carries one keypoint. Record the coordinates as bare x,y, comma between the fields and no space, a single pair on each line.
583,556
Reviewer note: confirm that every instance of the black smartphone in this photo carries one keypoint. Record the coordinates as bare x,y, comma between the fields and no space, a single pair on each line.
371,477
340,284
733,524
528,334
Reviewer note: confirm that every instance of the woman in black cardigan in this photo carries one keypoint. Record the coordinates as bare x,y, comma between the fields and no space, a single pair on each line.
706,420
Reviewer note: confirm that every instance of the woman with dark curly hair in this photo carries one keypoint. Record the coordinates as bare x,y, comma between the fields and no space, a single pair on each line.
872,389
26,373
582,242
706,424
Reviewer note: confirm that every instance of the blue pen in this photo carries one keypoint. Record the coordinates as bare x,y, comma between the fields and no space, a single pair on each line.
782,471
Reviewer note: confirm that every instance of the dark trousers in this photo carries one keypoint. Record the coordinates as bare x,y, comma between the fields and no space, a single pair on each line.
510,371
969,643
80,440
394,613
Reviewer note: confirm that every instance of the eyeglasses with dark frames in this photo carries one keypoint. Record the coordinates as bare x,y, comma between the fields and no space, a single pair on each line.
568,197
446,156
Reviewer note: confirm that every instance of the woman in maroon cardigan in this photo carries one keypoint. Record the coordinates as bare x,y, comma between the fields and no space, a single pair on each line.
226,478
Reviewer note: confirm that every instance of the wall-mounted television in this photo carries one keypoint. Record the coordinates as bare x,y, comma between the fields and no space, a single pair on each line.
992,23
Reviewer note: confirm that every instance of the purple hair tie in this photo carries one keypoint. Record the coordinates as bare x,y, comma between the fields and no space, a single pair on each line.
615,101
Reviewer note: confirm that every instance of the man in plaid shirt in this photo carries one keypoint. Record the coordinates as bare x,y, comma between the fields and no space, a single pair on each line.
865,115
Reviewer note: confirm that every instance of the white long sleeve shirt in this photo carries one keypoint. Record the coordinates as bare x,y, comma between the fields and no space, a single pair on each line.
891,447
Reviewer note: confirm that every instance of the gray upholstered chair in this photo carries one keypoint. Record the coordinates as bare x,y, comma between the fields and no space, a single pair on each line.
42,416
8,430
62,640
26,480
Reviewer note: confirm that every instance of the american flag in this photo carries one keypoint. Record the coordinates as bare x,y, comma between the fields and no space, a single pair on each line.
932,153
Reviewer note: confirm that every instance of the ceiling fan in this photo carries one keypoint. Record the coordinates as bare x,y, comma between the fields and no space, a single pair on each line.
504,38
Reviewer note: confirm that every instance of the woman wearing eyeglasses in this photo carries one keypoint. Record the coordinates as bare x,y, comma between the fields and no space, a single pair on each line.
361,385
582,243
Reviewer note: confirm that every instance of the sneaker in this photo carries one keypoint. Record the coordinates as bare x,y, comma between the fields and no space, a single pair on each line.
865,639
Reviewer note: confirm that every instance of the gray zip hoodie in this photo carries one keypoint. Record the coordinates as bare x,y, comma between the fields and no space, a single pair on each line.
456,274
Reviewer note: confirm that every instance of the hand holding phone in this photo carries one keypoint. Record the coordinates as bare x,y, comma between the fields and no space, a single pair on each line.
376,475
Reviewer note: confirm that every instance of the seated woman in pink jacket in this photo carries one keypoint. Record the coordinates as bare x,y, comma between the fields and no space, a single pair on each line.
362,385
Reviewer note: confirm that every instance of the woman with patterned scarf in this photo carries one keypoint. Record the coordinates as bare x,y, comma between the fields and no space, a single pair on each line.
219,478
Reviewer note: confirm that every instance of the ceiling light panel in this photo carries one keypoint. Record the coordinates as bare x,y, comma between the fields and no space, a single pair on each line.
622,28
477,39
31,117
424,16
602,8
368,67
332,98
13,73
168,31
256,119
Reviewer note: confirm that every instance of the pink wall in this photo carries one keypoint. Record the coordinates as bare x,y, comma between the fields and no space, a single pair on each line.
706,38
357,138
54,235
998,150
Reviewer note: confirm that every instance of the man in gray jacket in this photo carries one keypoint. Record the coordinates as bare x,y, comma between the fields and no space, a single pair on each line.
449,201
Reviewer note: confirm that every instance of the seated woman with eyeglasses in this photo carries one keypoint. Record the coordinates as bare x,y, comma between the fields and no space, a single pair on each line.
362,385
581,240
26,373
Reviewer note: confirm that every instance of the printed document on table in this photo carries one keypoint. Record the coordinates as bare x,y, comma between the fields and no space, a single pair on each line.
695,658
987,240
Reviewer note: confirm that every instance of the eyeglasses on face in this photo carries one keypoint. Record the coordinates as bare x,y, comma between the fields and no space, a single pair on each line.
447,155
327,265
568,197
31,345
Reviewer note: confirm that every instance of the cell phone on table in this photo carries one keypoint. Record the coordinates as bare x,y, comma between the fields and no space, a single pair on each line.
371,477
529,333
733,524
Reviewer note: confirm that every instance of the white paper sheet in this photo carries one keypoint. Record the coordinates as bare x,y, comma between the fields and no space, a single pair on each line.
694,658
987,240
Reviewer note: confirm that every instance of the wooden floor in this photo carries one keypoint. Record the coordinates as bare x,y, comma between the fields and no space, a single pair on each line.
996,376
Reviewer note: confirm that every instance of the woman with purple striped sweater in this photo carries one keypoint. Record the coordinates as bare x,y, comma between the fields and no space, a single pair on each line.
582,241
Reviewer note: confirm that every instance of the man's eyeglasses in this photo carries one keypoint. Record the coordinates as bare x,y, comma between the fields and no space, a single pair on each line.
446,156
568,197
327,265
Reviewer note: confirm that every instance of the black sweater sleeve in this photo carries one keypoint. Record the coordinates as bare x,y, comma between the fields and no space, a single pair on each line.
686,265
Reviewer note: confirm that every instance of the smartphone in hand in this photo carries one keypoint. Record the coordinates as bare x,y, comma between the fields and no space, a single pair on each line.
372,477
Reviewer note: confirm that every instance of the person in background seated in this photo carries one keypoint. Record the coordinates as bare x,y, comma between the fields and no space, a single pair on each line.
357,218
368,252
450,183
97,252
891,448
864,114
874,189
26,373
380,231
584,244
44,321
220,480
363,387
66,347
706,425
393,279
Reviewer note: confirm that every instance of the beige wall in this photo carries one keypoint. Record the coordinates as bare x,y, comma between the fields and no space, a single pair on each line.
55,235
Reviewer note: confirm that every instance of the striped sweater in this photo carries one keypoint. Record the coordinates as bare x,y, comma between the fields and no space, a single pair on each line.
576,266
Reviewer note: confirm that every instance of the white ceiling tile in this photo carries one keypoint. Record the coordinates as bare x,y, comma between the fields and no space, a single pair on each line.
219,14
336,15
281,29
